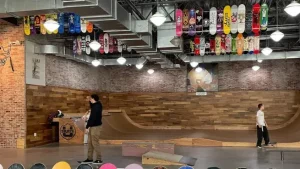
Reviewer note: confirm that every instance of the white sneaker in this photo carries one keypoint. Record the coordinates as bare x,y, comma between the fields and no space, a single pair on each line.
258,146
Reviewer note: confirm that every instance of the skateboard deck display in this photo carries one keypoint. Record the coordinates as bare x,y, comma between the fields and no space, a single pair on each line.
207,46
37,24
240,44
119,46
202,46
250,44
185,26
111,44
179,23
61,22
83,25
223,45
256,19
84,166
48,17
220,21
212,43
248,23
54,17
256,45
264,16
228,43
233,44
246,44
197,45
77,23
218,45
79,52
101,41
89,27
38,166
205,19
192,46
43,20
87,44
192,22
212,20
241,18
234,19
71,23
83,44
61,165
75,46
226,19
16,166
26,25
115,42
199,19
32,27
106,43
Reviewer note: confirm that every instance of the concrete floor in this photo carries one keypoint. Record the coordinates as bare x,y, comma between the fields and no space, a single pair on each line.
224,158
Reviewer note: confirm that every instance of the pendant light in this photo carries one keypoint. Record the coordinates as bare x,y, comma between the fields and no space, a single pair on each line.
96,62
293,9
267,51
255,68
51,25
139,66
150,71
198,69
158,19
277,35
94,45
121,60
194,64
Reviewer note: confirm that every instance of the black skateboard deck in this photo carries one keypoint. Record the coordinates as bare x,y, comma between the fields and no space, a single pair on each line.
38,166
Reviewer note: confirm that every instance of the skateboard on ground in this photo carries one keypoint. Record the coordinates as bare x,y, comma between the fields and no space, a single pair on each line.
226,19
87,44
43,20
77,23
256,44
228,40
213,21
241,18
218,45
179,16
246,45
72,23
197,45
26,25
192,22
37,24
106,43
61,22
38,166
220,21
256,19
185,26
101,41
83,44
16,166
79,51
250,44
223,45
89,27
202,46
240,44
234,19
75,46
233,44
32,28
83,25
264,16
199,19
54,17
212,43
111,44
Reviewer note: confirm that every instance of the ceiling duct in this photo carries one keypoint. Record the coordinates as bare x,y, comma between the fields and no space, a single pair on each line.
165,34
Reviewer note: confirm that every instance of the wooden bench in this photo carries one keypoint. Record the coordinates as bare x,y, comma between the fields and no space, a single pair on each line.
282,151
137,149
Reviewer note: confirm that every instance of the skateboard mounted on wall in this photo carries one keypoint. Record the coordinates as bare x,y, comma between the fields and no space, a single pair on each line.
241,18
234,19
192,22
226,19
179,22
213,21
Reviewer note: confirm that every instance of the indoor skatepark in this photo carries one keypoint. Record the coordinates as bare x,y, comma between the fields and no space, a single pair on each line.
179,81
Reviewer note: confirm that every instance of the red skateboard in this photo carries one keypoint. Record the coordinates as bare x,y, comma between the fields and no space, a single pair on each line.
223,45
101,41
256,19
197,45
212,43
111,44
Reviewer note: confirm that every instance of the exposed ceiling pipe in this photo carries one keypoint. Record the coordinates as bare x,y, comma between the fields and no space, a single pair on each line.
136,11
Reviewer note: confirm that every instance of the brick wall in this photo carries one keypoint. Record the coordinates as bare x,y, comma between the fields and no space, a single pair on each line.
12,90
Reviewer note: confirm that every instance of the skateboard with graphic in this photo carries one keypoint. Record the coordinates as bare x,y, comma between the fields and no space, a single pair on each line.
220,21
101,41
79,51
61,22
202,46
256,44
72,23
213,21
26,25
115,42
89,27
43,20
248,23
233,44
179,16
199,19
37,24
38,166
87,44
54,17
83,25
106,43
32,27
228,43
240,44
246,44
218,45
250,44
207,46
119,46
185,26
77,23
234,19
197,45
241,18
75,46
111,44
264,16
48,17
83,44
192,46
205,19
192,22
256,19
223,45
212,43
226,19
66,22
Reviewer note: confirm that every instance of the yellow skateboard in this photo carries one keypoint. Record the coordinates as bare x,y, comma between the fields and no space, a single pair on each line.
43,20
54,17
226,19
26,25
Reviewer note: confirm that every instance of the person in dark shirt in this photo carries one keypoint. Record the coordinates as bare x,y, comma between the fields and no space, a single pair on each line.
93,128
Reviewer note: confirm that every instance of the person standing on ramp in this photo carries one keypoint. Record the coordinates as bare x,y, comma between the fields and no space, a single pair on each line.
261,126
93,128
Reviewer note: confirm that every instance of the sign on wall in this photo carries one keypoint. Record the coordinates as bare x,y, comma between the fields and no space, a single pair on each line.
35,66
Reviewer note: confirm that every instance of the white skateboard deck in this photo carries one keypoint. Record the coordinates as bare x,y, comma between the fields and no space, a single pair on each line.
241,18
83,43
120,46
250,44
83,25
79,52
106,43
256,44
234,19
246,44
228,43
213,21
87,41
202,46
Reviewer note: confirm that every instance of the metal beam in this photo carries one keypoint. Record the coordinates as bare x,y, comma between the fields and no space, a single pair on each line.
168,15
136,11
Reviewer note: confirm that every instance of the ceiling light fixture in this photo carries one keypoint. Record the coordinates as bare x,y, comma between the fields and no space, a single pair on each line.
158,19
150,71
266,51
293,9
139,66
121,60
51,25
96,63
259,61
198,69
94,45
194,64
277,35
255,68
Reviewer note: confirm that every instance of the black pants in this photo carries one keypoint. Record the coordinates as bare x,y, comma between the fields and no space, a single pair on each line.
262,134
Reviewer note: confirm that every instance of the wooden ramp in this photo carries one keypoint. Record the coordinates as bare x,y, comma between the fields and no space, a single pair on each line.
161,158
137,149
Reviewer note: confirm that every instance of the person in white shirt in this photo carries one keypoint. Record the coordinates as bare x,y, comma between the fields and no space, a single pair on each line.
261,125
